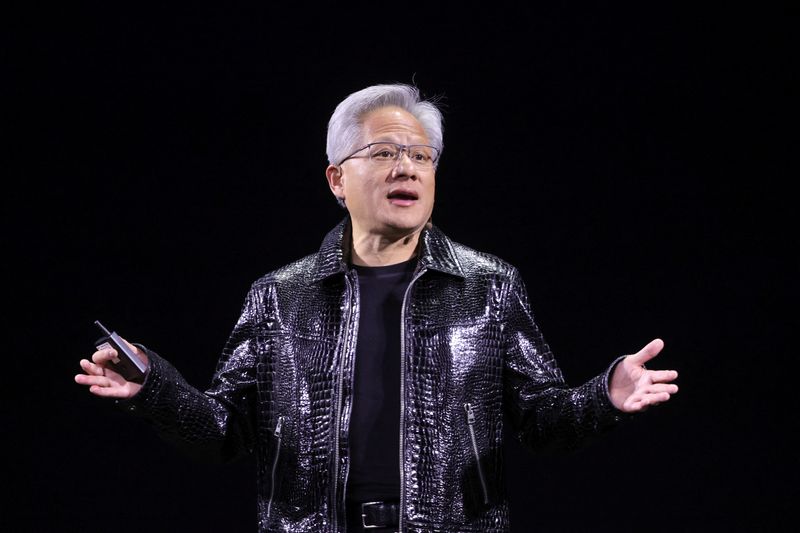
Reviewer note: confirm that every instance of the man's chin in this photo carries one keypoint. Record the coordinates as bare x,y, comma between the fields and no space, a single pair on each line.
405,225
395,231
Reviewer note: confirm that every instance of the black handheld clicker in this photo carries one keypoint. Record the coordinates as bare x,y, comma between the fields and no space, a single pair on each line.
127,364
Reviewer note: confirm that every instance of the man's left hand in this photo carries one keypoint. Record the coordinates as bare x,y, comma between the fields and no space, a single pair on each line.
634,388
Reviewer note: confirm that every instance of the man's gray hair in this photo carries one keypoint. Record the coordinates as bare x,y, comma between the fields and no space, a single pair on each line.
345,125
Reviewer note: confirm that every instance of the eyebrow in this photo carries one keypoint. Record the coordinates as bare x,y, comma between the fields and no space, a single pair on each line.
424,143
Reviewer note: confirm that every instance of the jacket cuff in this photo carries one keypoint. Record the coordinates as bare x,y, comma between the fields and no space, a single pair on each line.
142,399
605,382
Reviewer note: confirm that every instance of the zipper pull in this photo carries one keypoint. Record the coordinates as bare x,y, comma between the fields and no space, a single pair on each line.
278,426
470,413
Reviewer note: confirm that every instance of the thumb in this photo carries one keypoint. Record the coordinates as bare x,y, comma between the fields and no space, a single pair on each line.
135,349
650,350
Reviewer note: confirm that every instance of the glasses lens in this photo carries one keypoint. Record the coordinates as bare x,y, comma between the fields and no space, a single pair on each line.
384,152
420,154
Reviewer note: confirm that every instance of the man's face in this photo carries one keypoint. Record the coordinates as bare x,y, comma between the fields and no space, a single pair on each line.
392,200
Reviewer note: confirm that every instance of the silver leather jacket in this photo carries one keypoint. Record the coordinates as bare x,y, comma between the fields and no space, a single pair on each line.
473,359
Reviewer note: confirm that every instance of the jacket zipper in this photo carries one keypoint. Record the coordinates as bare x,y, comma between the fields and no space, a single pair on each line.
403,394
334,520
278,429
471,426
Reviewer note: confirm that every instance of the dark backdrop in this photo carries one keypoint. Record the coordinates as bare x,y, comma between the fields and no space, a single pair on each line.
628,161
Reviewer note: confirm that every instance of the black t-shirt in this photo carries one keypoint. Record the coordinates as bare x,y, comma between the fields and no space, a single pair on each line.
375,419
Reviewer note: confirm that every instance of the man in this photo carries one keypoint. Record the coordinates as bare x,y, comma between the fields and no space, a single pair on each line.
373,378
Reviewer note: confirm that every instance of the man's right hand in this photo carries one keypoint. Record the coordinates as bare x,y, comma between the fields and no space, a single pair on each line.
102,380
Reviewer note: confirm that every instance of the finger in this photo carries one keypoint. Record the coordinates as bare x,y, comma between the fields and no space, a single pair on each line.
108,392
658,388
92,381
634,406
662,376
137,351
640,402
95,383
91,368
133,348
103,356
655,399
650,350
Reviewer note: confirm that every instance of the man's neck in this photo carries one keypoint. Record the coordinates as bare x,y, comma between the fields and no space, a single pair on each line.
371,249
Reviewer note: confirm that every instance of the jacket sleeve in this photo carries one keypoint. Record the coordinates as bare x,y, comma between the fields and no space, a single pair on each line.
544,412
215,424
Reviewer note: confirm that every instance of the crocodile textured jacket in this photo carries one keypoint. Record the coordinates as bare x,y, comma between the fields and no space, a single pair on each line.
473,359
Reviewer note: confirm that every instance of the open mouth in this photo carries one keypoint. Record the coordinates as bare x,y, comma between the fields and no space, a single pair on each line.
402,197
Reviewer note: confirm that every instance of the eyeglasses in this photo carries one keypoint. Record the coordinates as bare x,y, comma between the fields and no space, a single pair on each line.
386,153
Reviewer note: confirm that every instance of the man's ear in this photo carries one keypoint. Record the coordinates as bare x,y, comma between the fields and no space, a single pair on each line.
335,180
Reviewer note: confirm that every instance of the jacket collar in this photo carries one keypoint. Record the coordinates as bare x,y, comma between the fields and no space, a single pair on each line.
332,258
436,252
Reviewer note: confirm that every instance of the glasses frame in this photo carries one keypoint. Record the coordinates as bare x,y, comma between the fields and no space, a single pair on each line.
403,148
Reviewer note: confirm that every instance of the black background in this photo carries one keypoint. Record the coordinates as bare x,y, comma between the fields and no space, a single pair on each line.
630,161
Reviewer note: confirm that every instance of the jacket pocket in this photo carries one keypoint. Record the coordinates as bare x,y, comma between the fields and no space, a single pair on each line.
277,436
479,493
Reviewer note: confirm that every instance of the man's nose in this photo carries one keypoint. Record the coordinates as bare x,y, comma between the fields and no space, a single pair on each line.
404,167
